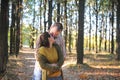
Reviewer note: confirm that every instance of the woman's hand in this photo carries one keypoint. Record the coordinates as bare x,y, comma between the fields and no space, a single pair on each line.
54,64
51,40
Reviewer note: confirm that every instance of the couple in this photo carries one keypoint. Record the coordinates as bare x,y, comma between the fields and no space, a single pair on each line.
50,54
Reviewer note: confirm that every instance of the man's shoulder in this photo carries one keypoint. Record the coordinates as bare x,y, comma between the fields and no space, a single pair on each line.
60,37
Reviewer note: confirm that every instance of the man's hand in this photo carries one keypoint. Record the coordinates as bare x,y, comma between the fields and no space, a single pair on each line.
51,40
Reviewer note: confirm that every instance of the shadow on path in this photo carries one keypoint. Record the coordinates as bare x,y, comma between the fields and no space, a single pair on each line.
96,67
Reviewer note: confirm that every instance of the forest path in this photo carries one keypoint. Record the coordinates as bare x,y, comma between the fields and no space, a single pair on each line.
98,67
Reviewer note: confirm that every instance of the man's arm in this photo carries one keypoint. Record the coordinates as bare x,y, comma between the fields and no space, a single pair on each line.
60,55
45,64
62,45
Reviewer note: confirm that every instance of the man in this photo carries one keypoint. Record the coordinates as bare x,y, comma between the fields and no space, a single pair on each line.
54,31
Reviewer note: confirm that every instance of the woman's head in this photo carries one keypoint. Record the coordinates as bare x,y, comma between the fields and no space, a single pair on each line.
44,39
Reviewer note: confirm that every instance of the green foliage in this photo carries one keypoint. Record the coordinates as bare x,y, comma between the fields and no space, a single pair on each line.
26,34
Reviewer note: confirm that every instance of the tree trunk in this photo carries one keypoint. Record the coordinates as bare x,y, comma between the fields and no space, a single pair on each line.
12,29
109,40
90,28
70,33
105,46
112,25
15,27
18,18
32,27
58,11
96,33
45,2
4,35
70,39
21,24
101,31
118,31
93,42
40,17
50,13
80,42
34,12
100,40
65,23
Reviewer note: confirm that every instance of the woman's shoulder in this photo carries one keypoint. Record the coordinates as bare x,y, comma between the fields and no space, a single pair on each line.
41,50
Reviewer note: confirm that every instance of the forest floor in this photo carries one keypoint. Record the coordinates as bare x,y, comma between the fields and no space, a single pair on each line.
100,66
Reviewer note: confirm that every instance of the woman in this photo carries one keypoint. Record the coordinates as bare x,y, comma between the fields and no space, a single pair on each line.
50,58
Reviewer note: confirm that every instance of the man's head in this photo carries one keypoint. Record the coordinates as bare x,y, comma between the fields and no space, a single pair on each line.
56,29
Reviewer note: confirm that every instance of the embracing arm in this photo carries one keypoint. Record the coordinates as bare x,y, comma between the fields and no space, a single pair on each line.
60,55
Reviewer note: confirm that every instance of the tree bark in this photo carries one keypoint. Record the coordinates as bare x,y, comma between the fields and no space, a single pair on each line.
65,23
70,33
50,13
96,33
12,29
80,42
4,35
18,18
58,11
105,46
90,28
112,25
45,2
118,31
40,16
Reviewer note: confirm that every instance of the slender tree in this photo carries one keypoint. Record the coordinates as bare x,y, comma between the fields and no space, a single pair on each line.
80,42
101,31
58,11
4,35
40,14
18,18
109,45
109,39
106,7
44,13
12,29
112,25
96,32
90,27
65,23
21,24
32,27
70,30
34,5
105,45
118,31
50,13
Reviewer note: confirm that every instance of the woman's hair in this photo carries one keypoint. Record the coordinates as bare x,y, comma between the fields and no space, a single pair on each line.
44,39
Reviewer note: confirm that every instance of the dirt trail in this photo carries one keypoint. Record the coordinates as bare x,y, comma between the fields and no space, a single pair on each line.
21,68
